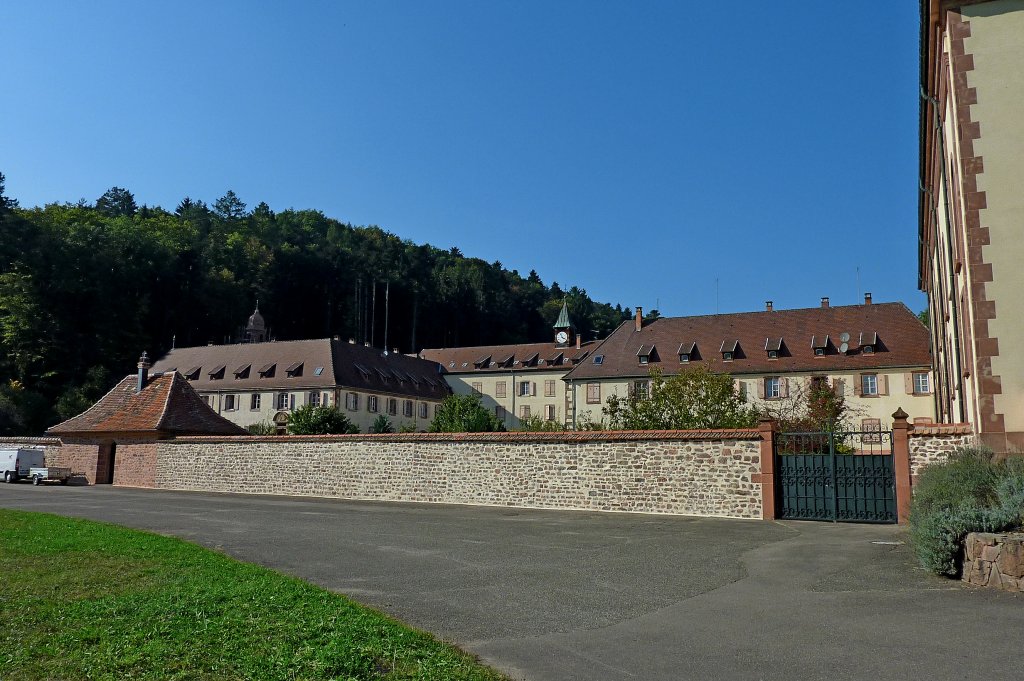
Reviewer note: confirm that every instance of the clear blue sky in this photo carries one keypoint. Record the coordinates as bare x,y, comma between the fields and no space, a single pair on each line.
639,150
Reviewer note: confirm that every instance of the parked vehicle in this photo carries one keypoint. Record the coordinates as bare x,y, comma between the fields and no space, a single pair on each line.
49,474
16,463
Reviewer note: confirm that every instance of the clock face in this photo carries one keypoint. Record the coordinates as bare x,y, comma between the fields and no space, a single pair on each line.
561,336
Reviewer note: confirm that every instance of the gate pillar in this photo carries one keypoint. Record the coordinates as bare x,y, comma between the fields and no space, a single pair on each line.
767,428
901,464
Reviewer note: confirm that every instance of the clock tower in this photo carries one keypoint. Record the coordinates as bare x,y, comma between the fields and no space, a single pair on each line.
564,331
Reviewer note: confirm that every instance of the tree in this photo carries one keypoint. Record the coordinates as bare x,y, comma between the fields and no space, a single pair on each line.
464,414
382,424
5,202
923,316
310,420
812,408
116,202
695,399
229,207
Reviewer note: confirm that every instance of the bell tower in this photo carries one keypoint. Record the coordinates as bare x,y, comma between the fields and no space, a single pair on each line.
256,327
564,331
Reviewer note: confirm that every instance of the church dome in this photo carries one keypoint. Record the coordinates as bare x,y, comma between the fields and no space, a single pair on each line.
256,322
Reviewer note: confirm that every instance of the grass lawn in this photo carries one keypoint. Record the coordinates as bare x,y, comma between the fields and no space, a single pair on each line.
86,600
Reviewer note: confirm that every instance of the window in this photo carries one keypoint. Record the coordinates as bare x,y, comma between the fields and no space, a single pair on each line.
423,410
644,359
549,388
593,393
598,359
392,406
921,386
819,352
230,402
371,404
869,385
499,389
254,401
772,388
282,401
499,413
524,411
872,430
773,354
684,357
868,349
295,370
640,389
525,389
478,388
549,412
313,399
407,408
726,356
318,371
352,401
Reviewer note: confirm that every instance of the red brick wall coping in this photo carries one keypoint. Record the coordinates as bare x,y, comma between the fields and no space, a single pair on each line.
585,436
942,429
30,441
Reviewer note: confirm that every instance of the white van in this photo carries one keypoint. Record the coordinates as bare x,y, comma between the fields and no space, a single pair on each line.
15,463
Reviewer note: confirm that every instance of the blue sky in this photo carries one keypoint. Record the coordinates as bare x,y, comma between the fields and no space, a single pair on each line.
641,150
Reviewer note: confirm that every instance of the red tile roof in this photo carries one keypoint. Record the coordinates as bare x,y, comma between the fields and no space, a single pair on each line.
902,342
466,360
167,405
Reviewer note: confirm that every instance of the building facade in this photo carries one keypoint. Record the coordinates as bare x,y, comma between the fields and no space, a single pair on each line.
971,211
263,382
875,355
520,382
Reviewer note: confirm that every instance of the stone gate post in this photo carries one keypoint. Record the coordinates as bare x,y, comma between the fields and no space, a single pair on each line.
901,464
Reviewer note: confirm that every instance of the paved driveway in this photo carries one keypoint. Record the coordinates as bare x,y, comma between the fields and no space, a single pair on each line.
564,595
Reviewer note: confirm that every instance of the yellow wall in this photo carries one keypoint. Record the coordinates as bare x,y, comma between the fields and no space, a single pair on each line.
513,402
997,45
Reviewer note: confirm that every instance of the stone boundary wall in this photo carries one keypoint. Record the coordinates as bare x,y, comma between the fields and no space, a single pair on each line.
934,443
995,560
703,473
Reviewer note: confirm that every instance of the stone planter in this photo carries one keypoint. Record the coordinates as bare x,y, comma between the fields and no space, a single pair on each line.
995,560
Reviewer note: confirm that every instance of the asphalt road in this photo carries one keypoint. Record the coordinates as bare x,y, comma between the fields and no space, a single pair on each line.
571,595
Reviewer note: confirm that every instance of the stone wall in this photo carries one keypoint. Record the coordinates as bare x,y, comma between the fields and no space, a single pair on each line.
995,560
82,458
934,443
709,473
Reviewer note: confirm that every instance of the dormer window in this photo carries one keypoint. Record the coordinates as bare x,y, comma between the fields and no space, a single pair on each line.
530,360
687,352
647,354
362,370
217,372
193,373
268,370
773,346
729,349
243,371
294,370
483,362
507,361
819,344
383,376
868,342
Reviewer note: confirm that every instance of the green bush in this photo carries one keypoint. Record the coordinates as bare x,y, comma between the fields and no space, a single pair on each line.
464,414
262,428
971,492
382,424
310,420
537,424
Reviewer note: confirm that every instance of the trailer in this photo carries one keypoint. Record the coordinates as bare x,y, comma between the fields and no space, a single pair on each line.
39,475
15,464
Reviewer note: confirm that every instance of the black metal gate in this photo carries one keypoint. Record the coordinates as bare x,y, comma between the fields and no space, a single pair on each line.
841,476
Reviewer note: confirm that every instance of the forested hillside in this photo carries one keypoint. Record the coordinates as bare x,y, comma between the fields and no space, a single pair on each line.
84,288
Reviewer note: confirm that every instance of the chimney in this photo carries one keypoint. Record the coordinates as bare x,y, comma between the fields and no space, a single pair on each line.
143,372
579,342
824,301
351,341
767,306
394,351
639,322
366,344
337,338
867,298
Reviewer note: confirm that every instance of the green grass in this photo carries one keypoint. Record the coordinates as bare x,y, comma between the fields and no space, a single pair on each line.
86,600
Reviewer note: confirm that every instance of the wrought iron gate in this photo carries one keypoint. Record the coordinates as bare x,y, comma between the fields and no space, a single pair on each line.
842,476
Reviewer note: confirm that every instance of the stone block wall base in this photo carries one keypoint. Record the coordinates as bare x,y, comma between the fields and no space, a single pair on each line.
995,561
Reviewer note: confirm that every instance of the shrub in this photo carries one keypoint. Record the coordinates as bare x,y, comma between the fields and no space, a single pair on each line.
464,414
968,493
262,428
382,424
310,420
536,424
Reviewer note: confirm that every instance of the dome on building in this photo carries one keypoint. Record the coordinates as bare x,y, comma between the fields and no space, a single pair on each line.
256,321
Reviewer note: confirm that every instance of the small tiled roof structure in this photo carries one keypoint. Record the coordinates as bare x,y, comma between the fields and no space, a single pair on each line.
899,340
167,405
508,358
322,363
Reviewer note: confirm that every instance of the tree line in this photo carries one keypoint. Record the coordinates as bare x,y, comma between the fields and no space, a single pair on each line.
85,287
